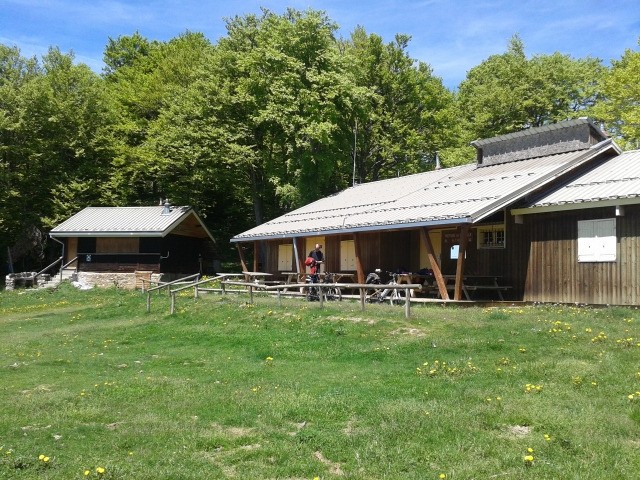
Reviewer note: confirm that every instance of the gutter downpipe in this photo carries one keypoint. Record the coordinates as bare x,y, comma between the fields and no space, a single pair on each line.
61,243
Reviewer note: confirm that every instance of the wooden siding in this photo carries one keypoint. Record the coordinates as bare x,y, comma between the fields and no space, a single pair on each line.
171,254
554,274
400,250
117,245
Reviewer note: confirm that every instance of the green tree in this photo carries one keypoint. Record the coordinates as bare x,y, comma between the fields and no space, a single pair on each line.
15,72
264,121
401,115
52,147
144,79
620,107
509,92
124,51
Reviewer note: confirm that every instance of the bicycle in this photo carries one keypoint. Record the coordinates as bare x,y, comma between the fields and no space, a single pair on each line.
395,295
374,279
330,293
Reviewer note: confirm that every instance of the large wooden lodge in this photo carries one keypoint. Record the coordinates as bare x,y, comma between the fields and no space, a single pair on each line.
552,211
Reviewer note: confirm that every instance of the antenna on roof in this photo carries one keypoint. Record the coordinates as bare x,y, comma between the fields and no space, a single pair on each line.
355,144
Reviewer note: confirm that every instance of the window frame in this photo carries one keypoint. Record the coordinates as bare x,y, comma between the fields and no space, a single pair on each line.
493,231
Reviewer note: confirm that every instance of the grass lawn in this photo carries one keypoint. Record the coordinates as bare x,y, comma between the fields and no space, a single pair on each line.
92,386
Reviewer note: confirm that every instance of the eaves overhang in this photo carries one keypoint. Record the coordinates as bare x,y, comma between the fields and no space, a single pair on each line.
580,205
69,234
357,229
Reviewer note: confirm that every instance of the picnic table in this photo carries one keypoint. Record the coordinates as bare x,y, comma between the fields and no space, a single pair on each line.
256,277
477,283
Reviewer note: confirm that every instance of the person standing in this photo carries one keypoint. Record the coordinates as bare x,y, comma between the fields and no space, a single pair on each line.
318,258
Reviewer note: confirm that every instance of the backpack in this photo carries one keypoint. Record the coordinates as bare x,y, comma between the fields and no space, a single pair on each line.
309,261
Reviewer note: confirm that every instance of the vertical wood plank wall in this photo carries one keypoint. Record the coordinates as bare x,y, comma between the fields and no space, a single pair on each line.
553,271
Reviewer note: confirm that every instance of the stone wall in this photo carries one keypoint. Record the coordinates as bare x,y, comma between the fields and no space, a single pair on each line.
112,279
25,280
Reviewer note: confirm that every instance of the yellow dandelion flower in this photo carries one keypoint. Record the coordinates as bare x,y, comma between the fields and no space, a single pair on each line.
530,450
41,457
100,470
86,473
528,459
442,475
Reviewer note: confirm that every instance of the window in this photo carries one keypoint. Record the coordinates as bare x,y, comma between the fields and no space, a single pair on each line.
285,257
454,252
597,240
491,236
347,255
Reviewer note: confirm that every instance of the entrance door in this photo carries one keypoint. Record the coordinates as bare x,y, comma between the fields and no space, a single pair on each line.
72,250
450,249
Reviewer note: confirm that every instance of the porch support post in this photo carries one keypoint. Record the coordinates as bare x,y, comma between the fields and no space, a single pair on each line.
298,254
359,268
433,261
243,262
464,239
256,255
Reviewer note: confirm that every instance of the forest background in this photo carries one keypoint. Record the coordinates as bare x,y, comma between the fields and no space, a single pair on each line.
277,113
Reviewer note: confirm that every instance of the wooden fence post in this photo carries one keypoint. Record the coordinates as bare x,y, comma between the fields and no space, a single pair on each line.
173,302
407,305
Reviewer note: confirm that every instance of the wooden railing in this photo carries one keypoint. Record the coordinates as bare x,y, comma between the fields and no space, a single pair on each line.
228,279
191,279
59,260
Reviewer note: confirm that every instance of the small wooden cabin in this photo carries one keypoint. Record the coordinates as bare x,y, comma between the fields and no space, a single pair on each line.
109,245
485,219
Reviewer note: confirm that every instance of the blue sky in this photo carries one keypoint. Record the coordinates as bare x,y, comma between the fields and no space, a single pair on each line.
451,36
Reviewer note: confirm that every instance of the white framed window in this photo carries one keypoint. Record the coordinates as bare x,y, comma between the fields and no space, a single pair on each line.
491,236
597,240
347,255
285,257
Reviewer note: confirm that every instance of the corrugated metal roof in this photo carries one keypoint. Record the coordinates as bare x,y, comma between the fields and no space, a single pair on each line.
616,179
453,195
121,221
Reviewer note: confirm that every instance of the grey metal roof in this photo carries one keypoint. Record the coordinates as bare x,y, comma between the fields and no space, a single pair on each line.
463,194
617,180
122,221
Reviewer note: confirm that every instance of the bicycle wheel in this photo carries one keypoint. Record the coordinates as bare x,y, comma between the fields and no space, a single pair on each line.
397,297
312,294
334,293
